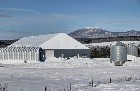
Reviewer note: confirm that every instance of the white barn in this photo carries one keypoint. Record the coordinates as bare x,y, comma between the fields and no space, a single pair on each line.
55,45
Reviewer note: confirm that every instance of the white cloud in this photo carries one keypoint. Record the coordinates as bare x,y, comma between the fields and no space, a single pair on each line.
16,9
50,18
5,15
62,16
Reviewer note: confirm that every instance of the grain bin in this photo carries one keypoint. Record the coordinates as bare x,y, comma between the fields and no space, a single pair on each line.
118,54
132,49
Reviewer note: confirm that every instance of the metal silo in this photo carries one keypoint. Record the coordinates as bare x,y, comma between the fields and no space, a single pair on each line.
132,50
118,54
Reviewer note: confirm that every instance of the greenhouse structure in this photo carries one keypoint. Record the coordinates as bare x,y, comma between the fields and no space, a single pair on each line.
21,53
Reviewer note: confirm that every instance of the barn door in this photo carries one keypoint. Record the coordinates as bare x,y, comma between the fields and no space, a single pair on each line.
49,53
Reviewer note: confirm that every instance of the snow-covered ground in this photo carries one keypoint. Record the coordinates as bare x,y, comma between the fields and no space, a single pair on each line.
113,43
58,74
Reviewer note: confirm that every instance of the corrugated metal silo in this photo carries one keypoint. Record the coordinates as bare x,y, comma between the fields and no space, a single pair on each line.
118,54
132,50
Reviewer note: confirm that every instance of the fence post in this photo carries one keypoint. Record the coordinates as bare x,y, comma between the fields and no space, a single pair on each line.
110,80
70,86
92,82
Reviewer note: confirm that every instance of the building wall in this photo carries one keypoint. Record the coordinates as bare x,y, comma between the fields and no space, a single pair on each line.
66,53
39,54
20,53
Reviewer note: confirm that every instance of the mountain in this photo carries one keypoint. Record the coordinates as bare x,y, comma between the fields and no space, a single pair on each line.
127,33
90,32
96,32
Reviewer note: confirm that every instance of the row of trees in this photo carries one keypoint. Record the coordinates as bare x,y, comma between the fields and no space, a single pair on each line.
100,52
109,39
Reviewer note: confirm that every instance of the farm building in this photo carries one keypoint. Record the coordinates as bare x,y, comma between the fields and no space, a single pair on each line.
118,54
132,49
54,45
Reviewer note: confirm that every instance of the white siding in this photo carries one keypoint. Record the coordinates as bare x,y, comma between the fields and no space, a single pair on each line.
19,53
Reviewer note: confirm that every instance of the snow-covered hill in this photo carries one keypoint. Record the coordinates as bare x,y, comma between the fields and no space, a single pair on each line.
96,32
90,32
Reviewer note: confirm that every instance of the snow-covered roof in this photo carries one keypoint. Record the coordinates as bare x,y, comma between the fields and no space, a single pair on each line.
50,41
120,43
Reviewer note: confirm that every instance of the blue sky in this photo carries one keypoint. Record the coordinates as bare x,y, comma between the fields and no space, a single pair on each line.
20,18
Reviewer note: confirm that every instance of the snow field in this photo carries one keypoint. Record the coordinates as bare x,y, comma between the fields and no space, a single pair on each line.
112,43
58,74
